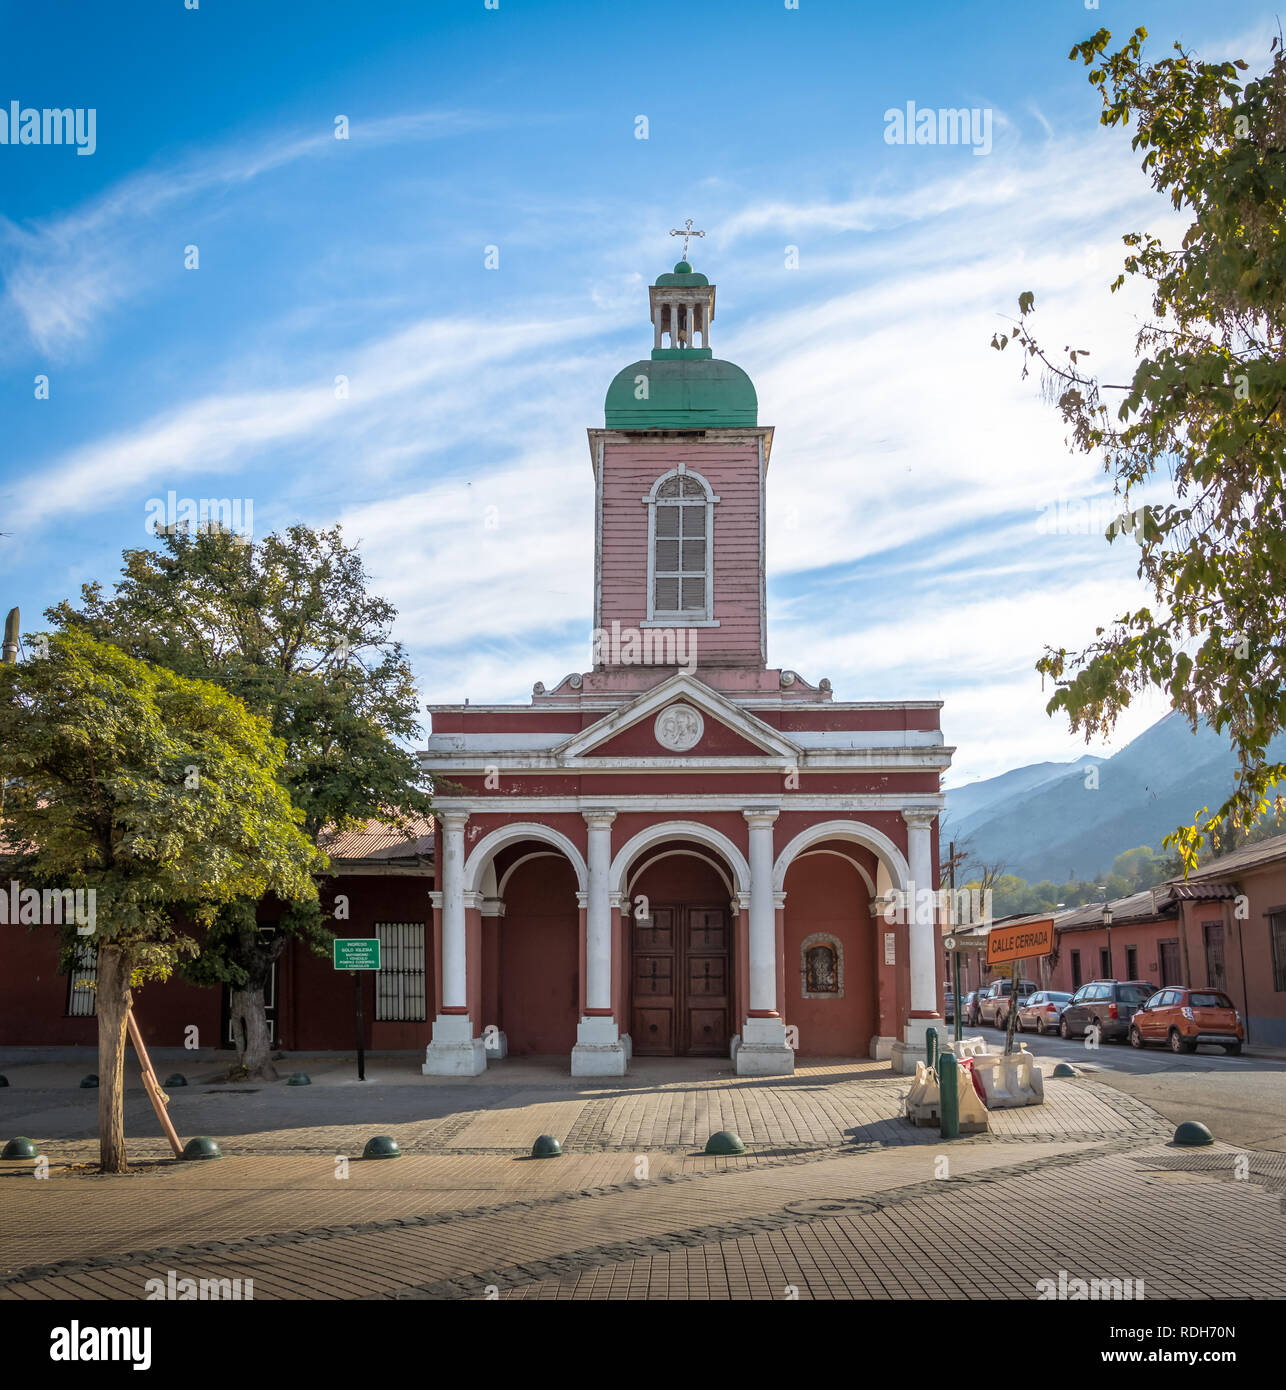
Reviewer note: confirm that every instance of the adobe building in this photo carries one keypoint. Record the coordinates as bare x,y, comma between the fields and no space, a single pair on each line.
683,851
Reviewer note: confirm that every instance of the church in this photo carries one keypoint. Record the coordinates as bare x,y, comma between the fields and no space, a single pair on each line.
683,852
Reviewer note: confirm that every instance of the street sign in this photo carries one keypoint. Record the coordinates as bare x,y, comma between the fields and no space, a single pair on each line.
964,943
357,952
1020,942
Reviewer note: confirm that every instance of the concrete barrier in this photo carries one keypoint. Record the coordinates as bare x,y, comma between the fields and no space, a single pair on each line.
1009,1082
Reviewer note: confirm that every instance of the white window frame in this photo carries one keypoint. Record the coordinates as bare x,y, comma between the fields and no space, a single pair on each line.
658,617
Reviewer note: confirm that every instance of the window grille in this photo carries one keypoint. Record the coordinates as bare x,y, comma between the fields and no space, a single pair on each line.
82,988
399,982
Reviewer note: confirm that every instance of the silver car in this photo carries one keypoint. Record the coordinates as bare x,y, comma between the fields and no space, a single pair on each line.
1041,1011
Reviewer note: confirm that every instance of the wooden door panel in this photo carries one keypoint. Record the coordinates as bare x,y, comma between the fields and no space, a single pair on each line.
680,979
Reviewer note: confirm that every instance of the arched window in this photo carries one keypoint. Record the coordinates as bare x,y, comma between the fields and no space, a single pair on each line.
821,967
680,559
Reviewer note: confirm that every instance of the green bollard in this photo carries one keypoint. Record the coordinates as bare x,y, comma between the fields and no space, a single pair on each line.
949,1095
931,1048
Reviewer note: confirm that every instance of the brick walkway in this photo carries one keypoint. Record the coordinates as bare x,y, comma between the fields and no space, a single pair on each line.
838,1197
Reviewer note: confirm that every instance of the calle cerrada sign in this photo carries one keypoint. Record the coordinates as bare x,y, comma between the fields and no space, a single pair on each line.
1020,942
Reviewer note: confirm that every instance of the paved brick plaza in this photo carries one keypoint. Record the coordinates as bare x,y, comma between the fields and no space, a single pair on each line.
838,1197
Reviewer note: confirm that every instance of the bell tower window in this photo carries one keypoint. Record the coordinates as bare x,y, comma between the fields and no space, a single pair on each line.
680,548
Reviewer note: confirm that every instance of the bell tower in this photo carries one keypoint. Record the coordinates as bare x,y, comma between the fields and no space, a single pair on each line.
680,469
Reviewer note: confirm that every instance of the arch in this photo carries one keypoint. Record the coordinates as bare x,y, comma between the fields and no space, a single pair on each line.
861,868
517,864
486,848
680,830
875,840
689,853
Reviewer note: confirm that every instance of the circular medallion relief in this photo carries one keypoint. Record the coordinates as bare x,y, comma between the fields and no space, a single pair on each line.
679,728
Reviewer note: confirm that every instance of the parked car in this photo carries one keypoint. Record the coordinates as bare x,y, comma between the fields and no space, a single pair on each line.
1182,1018
1105,1005
1041,1011
949,1006
993,1002
969,1009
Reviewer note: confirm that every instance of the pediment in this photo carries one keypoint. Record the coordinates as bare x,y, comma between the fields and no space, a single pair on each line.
682,717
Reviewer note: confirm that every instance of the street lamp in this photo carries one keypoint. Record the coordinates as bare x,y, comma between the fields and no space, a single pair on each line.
1107,923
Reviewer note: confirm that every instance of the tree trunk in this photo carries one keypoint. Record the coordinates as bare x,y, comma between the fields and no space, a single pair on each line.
250,1032
113,999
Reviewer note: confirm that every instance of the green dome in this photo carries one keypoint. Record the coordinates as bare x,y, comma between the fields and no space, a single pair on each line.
683,275
683,393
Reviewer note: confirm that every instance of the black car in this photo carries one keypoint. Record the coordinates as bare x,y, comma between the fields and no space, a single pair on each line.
1105,1006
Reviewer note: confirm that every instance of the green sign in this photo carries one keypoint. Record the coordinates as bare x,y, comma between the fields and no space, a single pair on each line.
357,952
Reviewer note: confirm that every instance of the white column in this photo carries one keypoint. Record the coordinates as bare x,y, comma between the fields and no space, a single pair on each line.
454,992
763,920
599,1050
921,915
455,1050
598,913
922,946
762,1049
656,327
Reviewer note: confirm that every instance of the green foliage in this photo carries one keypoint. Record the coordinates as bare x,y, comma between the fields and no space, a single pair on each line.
1206,406
157,792
285,624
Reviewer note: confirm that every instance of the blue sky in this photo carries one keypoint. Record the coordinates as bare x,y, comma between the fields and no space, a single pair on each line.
913,474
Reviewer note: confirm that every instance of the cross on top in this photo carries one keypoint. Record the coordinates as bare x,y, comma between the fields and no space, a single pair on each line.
685,232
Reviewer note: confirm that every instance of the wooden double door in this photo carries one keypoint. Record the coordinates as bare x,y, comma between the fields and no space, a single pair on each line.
681,972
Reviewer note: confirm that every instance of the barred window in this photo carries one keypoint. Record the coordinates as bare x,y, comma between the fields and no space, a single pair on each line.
82,987
399,982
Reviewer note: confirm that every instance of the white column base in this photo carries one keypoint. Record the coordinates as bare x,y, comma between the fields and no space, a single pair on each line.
762,1049
454,1050
882,1047
906,1053
600,1050
496,1045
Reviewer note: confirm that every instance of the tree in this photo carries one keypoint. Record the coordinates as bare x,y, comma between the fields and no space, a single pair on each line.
157,794
1206,405
286,625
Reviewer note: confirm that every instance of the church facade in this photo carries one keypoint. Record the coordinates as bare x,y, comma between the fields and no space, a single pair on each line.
683,851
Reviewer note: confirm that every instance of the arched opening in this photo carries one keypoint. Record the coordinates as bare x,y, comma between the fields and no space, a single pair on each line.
531,952
680,945
831,942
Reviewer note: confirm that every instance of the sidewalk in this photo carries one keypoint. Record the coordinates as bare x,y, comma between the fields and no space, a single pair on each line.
837,1196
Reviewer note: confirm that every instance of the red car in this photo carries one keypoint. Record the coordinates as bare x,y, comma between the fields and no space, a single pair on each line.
1182,1018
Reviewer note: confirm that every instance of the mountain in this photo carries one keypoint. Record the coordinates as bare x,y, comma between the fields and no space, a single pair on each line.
1050,820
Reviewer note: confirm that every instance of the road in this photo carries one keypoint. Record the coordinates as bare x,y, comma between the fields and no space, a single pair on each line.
1241,1099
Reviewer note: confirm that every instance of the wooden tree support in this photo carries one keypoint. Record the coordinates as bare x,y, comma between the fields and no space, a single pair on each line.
151,1085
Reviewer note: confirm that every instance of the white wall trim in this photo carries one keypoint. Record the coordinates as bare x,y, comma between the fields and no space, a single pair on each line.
645,865
680,830
868,835
503,835
518,863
